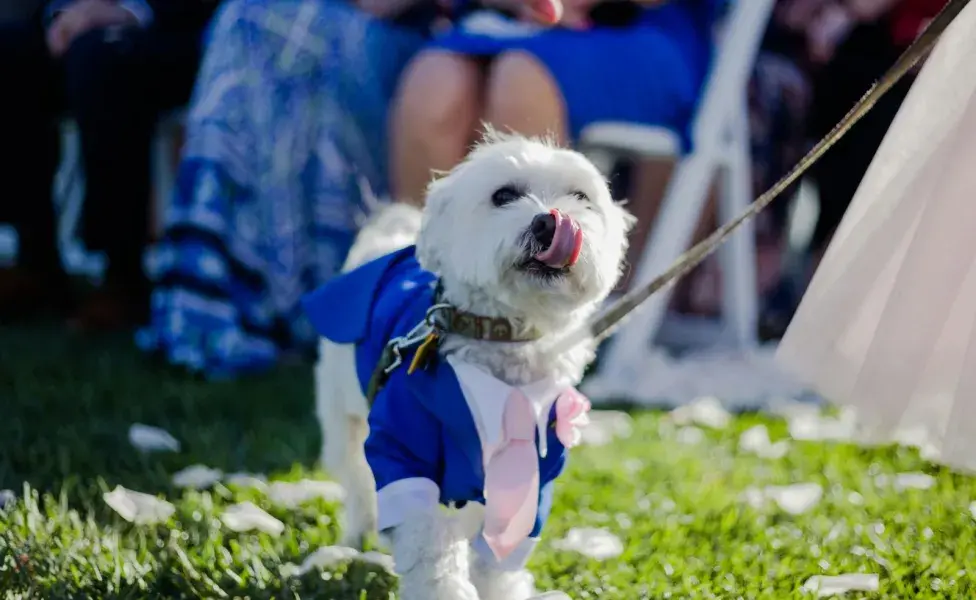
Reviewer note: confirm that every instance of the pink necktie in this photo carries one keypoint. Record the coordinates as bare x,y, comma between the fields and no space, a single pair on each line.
512,480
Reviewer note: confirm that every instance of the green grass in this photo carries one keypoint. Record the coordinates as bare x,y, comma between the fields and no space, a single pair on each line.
66,405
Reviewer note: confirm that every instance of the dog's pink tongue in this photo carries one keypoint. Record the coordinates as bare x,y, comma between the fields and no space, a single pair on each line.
567,241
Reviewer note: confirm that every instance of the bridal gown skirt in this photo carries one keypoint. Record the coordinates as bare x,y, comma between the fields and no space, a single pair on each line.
888,325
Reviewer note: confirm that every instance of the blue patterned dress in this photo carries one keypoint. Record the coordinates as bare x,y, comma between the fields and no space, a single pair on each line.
285,153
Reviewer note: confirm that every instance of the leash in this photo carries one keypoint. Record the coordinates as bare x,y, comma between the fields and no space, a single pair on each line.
604,323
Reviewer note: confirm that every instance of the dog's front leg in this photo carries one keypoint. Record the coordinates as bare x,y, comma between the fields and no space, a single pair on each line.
357,479
431,556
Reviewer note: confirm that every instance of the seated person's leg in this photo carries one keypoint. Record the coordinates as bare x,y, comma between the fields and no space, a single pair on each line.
31,101
523,96
435,118
117,87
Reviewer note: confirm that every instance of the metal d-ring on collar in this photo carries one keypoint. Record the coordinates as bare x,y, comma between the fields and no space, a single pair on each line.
415,336
392,356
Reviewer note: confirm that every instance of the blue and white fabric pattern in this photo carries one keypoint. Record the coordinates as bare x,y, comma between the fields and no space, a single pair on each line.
285,148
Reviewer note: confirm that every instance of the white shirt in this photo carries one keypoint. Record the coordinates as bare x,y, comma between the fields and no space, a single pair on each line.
486,396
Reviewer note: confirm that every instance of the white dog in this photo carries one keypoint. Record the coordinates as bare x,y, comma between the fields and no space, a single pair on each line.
520,242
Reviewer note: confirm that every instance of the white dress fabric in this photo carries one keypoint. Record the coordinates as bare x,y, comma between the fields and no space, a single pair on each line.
887,325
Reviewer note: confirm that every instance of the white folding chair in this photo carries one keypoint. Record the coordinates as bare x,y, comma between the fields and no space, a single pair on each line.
720,134
69,191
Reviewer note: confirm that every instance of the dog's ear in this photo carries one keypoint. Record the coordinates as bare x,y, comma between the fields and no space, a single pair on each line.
628,219
436,206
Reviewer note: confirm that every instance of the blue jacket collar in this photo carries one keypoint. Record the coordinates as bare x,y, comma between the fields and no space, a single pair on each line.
340,309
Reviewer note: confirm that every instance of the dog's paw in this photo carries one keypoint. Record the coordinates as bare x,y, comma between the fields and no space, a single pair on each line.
356,533
441,588
432,559
496,584
359,541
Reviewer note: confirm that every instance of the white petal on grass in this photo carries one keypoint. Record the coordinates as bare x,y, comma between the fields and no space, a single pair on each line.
245,516
137,507
152,439
813,426
823,585
7,499
197,477
707,411
790,408
754,497
606,426
593,542
247,480
907,481
918,436
328,557
972,509
633,465
755,440
292,494
379,559
796,499
689,436
793,499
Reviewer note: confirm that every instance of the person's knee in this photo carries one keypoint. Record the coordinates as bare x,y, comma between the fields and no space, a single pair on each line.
520,91
439,92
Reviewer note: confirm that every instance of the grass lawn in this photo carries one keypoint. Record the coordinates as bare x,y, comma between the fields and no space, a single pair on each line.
675,501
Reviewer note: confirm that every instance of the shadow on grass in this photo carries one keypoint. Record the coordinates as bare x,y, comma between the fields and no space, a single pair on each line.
68,403
66,406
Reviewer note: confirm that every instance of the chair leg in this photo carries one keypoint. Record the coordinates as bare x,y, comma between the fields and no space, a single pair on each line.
740,302
69,195
670,237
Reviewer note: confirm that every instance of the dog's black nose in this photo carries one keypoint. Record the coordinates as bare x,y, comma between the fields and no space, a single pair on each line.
543,228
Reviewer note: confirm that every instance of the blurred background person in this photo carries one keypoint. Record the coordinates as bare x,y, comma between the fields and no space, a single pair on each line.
642,62
851,44
286,142
780,97
819,58
113,67
18,10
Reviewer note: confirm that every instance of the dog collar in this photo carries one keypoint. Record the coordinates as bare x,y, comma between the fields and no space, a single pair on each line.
478,327
441,318
451,319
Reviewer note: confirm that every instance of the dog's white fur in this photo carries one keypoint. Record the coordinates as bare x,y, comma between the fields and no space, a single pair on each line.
475,247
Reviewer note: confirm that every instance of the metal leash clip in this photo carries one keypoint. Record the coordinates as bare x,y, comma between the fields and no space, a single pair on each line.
428,330
415,336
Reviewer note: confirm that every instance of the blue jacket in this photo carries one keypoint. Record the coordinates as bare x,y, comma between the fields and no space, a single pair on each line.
420,424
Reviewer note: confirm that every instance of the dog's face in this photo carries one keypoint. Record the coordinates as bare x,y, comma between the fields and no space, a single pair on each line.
528,225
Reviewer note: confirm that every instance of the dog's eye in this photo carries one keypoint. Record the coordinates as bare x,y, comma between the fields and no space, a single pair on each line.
581,196
505,195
